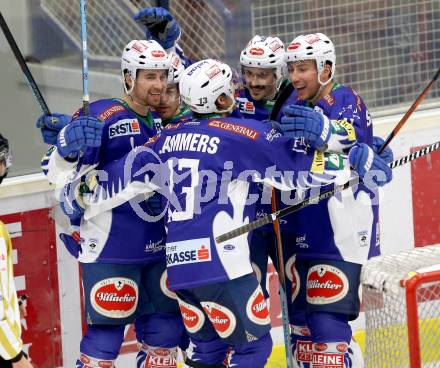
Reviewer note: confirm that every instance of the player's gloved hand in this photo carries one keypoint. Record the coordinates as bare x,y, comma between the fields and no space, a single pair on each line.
301,121
50,125
71,202
154,204
83,132
387,154
161,26
369,165
71,243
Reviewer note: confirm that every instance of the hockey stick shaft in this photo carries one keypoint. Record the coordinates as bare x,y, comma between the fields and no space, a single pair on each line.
85,67
27,73
324,195
283,290
407,115
285,93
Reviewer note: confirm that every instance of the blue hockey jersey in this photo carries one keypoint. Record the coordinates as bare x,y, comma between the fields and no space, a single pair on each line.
344,227
209,169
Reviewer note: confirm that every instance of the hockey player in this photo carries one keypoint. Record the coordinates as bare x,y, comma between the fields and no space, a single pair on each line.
211,164
121,256
11,345
328,242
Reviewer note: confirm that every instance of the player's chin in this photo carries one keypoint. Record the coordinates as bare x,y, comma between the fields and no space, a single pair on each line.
257,94
153,100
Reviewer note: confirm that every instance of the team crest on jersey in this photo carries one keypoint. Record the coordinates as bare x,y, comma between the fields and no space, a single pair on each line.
193,318
124,127
221,318
115,297
293,276
111,111
188,251
256,308
326,284
164,286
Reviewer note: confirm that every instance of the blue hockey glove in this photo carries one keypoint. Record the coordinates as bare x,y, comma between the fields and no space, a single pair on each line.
71,244
86,131
50,126
161,26
301,121
387,154
71,201
369,165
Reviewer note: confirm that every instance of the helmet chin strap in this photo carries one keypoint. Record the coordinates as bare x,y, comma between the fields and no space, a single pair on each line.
322,85
230,108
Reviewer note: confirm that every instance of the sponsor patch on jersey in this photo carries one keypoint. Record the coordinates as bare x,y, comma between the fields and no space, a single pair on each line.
111,111
193,318
304,351
221,318
256,308
272,134
328,360
318,163
363,238
293,276
330,100
188,251
171,126
245,106
235,128
115,297
164,286
124,127
299,145
151,140
349,128
326,284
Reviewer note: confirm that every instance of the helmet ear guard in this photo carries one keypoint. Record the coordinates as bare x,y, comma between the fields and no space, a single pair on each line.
315,46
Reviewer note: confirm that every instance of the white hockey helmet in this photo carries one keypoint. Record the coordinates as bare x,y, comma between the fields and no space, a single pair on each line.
143,54
265,52
203,82
315,46
177,66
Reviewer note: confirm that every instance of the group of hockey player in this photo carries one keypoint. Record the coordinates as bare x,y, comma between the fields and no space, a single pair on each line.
147,200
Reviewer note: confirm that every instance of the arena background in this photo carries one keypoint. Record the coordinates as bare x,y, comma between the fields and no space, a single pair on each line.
387,50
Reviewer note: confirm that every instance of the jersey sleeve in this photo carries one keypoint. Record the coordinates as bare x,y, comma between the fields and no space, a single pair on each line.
288,164
10,328
136,174
351,124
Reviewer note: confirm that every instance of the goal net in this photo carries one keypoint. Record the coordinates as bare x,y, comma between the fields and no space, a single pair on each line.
401,296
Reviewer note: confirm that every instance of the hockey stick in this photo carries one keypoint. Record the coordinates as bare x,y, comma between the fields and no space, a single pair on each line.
285,93
316,198
413,107
85,67
27,73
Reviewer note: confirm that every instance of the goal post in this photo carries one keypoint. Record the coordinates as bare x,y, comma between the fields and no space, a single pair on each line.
401,297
